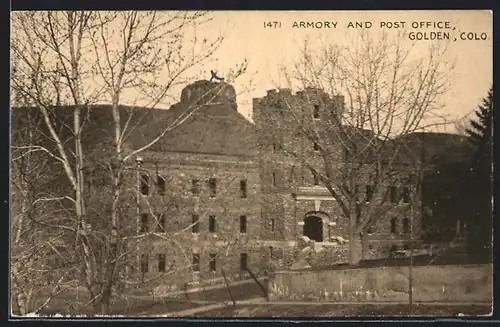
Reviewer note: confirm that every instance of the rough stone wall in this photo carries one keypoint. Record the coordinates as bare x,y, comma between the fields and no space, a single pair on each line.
328,256
276,127
204,91
288,172
430,283
179,204
337,224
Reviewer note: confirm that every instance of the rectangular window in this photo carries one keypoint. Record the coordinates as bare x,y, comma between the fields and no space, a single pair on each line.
160,185
243,224
316,178
316,147
271,252
211,224
144,263
406,225
292,176
243,189
195,228
212,184
406,195
144,223
145,184
243,261
160,228
272,224
393,226
213,262
196,262
195,187
316,112
393,194
369,193
161,262
273,178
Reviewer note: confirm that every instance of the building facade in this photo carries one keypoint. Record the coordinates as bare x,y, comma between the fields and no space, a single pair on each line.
292,166
218,198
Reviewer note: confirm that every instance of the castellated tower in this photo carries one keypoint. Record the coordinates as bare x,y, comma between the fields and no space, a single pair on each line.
294,204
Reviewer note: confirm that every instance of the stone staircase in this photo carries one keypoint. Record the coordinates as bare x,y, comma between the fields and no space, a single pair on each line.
320,254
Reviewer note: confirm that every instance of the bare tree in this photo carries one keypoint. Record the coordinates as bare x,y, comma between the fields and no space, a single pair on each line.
349,124
33,247
66,61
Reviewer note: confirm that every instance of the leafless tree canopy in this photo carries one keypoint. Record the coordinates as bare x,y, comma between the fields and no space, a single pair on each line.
375,95
63,63
388,87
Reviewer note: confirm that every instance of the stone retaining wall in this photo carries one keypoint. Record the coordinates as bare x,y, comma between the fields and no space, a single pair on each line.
430,283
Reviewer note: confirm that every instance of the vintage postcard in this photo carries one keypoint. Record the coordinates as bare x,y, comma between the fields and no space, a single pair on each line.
251,163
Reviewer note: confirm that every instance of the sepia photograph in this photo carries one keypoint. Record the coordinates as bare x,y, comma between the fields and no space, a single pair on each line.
251,164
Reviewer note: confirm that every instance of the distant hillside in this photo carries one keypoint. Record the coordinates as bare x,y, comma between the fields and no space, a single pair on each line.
215,128
441,147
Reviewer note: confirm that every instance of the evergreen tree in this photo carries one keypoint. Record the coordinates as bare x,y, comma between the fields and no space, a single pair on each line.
481,127
480,179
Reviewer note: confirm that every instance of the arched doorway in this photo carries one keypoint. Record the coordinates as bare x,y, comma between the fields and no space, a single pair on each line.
313,228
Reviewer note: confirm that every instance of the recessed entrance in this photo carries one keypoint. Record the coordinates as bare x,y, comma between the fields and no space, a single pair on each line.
313,228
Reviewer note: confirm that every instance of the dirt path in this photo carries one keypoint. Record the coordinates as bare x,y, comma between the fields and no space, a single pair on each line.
262,301
227,304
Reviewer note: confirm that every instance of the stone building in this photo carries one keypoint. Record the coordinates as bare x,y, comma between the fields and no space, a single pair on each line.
217,194
190,201
199,185
297,203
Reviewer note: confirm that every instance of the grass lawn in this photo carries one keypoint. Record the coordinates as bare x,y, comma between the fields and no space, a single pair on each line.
352,310
126,307
69,302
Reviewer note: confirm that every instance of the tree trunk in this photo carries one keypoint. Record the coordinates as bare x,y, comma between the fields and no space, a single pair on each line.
19,296
105,300
355,249
355,243
110,270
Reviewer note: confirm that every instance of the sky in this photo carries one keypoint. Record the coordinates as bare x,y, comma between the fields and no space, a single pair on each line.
267,40
266,48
